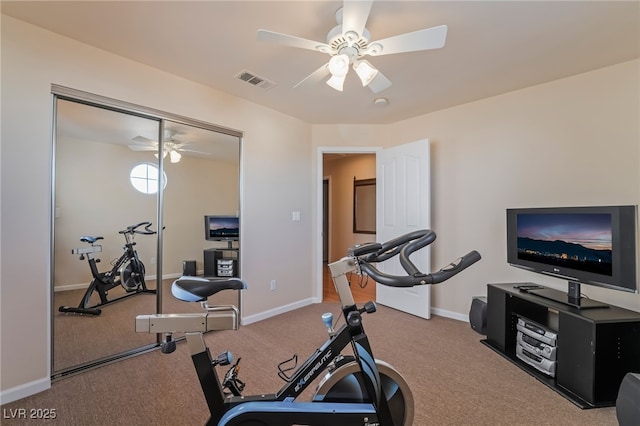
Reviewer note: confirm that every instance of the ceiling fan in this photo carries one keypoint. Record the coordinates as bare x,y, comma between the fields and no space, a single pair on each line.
172,146
350,41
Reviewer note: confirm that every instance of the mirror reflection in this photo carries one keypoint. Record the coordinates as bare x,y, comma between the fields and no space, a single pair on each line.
364,206
97,259
106,252
205,181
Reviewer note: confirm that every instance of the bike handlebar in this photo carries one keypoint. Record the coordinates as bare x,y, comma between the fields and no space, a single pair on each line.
405,245
133,229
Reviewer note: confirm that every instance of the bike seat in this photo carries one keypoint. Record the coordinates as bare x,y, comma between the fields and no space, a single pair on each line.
90,240
195,289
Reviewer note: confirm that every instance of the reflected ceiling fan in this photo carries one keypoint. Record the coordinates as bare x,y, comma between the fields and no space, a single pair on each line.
172,146
349,42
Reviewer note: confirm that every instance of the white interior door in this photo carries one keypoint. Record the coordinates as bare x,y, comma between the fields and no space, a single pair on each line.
403,205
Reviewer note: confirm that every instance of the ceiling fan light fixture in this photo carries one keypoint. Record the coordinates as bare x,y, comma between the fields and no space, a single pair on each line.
339,65
350,40
365,71
336,82
175,156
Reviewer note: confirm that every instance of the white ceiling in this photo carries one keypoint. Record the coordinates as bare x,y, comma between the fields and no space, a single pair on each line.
491,48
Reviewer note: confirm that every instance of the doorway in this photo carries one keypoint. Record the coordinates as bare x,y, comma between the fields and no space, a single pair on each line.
337,170
402,204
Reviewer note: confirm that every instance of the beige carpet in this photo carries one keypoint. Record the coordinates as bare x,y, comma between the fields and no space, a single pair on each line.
454,378
80,339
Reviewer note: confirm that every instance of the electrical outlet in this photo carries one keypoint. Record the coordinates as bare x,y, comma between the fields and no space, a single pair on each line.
274,285
153,260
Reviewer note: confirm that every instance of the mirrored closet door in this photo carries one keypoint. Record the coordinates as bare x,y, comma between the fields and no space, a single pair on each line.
202,180
130,193
96,197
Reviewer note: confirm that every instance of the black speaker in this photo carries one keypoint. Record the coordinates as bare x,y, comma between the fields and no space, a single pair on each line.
627,407
188,268
478,314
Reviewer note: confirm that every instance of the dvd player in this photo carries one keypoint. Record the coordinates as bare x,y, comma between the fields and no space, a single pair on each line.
536,346
539,363
536,331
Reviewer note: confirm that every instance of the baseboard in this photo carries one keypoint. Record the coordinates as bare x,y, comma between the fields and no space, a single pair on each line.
70,287
313,300
25,390
85,285
165,276
450,314
276,311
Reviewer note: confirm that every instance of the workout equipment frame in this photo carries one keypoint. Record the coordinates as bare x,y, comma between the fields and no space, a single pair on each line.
127,271
356,390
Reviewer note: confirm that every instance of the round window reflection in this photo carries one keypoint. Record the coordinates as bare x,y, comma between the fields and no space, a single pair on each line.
144,178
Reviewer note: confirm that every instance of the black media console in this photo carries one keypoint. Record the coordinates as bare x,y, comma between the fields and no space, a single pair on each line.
221,262
593,348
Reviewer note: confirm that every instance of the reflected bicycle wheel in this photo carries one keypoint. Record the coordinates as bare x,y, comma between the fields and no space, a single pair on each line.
132,275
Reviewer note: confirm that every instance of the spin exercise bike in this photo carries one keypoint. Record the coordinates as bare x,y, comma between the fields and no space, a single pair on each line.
357,389
127,271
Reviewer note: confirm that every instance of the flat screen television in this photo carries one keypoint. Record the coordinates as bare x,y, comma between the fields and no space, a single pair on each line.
584,245
221,228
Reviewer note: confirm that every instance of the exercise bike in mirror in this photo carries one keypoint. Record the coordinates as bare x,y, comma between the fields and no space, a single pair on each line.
117,175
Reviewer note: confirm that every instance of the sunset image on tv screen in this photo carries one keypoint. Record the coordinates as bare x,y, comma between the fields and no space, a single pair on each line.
577,241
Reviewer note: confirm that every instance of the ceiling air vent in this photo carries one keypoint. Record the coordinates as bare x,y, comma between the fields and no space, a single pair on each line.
254,80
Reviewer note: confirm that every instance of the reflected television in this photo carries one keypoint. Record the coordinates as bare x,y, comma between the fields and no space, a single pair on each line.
584,245
221,228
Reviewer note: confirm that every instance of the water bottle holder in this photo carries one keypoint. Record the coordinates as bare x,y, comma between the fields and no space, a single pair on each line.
285,367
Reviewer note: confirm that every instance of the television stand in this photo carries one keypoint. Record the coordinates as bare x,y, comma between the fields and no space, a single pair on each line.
595,348
567,298
222,262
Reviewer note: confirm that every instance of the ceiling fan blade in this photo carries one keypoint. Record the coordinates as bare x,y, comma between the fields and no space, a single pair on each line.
379,83
173,144
315,77
194,151
430,38
354,15
142,139
289,40
142,148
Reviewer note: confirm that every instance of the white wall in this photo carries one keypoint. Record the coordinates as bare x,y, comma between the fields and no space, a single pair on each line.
276,181
574,141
